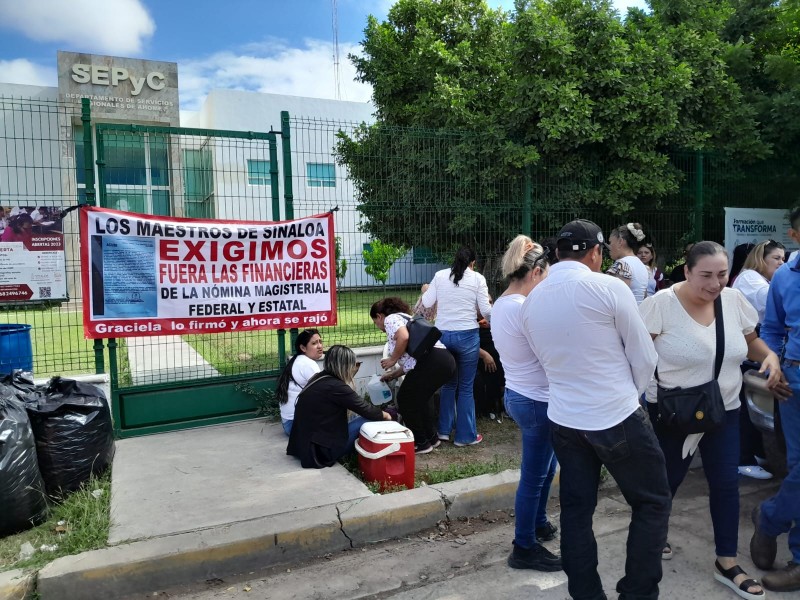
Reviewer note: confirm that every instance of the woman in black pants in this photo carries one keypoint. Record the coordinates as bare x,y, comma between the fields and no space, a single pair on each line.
422,377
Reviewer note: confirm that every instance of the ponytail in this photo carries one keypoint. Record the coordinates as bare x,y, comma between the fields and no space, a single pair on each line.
282,388
464,257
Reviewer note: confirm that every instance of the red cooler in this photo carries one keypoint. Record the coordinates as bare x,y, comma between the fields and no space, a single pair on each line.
386,454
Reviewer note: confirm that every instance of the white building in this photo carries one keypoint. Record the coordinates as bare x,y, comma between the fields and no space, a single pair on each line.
41,150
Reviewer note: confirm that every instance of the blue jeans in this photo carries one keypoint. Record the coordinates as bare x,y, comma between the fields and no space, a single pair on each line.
459,413
720,452
631,453
781,513
353,428
287,425
538,466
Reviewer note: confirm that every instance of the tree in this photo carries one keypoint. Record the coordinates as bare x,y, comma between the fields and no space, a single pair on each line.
563,92
379,258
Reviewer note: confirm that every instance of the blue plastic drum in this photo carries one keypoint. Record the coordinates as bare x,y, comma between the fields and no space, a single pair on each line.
16,351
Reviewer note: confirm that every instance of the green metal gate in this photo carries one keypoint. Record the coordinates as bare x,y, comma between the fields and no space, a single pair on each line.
172,382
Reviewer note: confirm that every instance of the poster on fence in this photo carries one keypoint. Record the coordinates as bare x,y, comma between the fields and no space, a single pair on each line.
754,225
32,262
147,275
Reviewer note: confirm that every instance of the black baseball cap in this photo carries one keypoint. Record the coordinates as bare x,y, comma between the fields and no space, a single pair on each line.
578,235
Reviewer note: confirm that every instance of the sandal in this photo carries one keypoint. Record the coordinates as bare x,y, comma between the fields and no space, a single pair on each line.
726,577
666,553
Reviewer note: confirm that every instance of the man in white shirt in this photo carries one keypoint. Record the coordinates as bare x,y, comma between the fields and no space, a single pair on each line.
586,330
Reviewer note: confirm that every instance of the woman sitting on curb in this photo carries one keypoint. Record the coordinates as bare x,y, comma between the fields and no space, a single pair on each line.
300,368
321,434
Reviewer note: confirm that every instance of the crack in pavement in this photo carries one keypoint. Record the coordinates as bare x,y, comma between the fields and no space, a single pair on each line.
341,526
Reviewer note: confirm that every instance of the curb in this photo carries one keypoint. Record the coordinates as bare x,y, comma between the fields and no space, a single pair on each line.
159,563
16,585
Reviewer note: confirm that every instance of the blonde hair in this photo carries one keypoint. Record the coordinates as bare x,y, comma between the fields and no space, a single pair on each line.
756,259
522,255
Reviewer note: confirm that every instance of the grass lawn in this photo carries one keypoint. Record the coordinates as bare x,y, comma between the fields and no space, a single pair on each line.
59,347
78,524
57,339
254,351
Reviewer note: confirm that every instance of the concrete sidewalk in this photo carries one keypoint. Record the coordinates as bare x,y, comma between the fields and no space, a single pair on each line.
197,505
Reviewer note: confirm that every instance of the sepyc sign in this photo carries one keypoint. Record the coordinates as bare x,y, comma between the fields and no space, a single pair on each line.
145,275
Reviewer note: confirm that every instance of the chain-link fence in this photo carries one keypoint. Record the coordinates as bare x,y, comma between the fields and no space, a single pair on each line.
424,192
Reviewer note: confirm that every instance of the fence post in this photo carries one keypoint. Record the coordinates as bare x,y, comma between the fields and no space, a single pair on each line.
88,151
91,200
287,165
527,202
116,411
698,197
286,133
273,179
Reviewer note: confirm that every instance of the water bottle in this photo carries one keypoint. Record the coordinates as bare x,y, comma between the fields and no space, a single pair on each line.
379,392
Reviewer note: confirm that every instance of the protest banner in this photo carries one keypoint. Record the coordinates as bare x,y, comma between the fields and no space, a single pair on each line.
32,258
754,225
147,275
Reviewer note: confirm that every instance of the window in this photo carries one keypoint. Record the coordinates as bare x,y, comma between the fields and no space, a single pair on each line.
198,180
321,175
423,256
258,172
136,174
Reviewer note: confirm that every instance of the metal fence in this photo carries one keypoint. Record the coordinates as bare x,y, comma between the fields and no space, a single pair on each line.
431,191
38,168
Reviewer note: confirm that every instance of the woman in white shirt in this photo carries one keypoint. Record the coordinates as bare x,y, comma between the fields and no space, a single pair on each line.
460,294
527,394
681,321
623,243
759,267
300,368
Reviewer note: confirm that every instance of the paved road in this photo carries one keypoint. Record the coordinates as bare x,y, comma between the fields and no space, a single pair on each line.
467,561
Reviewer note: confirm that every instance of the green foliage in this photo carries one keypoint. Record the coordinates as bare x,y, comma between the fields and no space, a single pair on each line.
380,257
341,263
267,404
588,107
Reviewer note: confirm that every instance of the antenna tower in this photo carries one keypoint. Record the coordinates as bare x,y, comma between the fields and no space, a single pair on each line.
335,26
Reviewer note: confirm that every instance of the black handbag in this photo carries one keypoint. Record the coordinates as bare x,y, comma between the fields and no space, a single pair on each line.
700,408
422,336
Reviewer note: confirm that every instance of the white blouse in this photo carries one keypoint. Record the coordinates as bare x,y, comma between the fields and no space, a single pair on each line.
686,349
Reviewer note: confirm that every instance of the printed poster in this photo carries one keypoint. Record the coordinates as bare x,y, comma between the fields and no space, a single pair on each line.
754,225
32,258
147,275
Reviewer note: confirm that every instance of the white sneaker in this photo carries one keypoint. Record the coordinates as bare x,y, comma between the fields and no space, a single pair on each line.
755,471
762,462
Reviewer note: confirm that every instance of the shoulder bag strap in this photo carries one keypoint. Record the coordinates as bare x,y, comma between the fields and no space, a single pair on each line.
720,326
720,335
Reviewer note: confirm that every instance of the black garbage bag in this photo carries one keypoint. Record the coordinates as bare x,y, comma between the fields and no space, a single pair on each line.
22,495
71,423
20,383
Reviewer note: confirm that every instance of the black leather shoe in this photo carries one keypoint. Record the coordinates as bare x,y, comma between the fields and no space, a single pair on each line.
763,548
546,532
785,580
537,558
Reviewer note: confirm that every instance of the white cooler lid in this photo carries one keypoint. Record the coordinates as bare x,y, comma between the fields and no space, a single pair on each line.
386,431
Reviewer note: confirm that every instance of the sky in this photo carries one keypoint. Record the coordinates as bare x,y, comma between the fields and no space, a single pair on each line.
274,46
